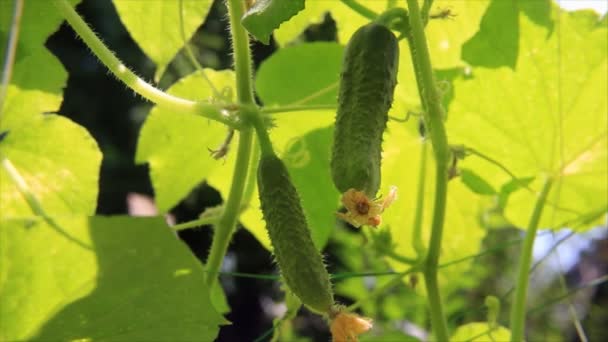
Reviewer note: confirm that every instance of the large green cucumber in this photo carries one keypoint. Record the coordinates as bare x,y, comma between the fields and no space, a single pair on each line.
367,84
300,263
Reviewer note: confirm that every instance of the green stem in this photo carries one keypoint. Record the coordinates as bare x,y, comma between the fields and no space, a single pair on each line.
195,223
252,176
241,53
247,194
11,50
285,109
434,126
401,258
417,242
426,8
225,225
151,93
357,7
518,310
244,90
263,138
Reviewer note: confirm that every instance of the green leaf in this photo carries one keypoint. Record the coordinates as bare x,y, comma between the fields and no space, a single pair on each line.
155,26
267,15
57,158
445,36
445,39
313,69
129,279
38,20
307,160
462,233
550,118
496,43
177,145
218,298
510,187
480,332
346,20
475,183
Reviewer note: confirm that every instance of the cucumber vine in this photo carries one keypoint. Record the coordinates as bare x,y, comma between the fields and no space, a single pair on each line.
369,77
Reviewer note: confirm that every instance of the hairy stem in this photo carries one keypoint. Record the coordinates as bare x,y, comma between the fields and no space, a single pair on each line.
11,49
146,90
225,226
241,53
244,91
434,125
518,309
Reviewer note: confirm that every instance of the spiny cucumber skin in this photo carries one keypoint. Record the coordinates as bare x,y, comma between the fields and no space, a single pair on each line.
300,263
367,84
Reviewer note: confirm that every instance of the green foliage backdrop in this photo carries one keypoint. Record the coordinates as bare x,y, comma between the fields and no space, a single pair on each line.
524,85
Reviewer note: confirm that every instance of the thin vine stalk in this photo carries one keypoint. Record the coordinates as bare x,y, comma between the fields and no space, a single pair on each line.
244,91
122,72
190,53
518,309
434,125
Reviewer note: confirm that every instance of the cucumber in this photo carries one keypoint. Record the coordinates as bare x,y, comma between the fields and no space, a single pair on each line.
301,264
367,84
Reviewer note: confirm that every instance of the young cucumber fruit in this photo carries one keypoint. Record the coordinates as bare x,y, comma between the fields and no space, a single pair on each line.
300,263
367,83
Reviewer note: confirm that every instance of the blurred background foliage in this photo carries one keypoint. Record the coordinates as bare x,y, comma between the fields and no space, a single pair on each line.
97,101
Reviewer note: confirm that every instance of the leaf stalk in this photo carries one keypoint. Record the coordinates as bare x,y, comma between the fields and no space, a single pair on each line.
141,87
518,309
244,89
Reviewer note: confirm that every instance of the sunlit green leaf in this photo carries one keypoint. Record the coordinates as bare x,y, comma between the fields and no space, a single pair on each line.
314,72
177,145
266,15
475,183
125,279
445,35
155,25
549,119
462,233
497,41
38,20
58,159
480,332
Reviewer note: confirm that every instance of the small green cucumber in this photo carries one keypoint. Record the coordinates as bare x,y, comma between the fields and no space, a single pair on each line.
367,84
300,263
